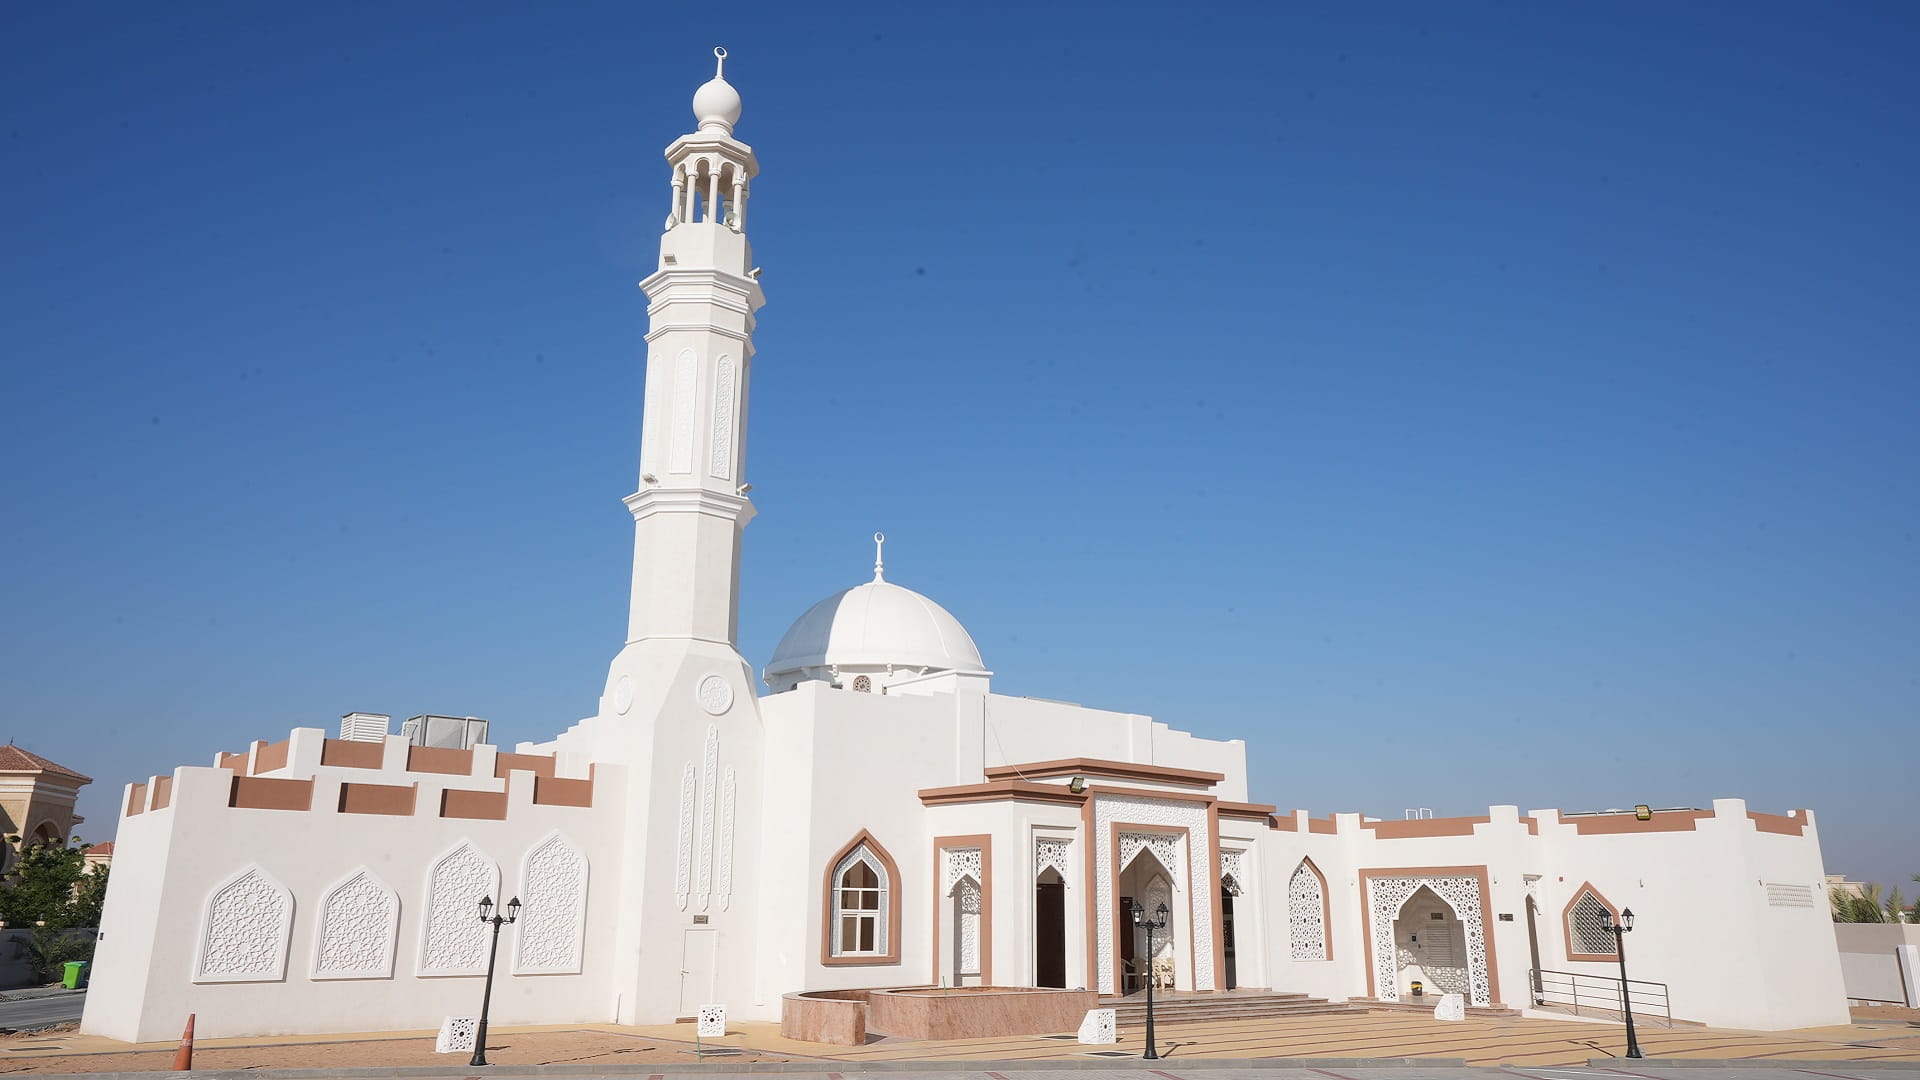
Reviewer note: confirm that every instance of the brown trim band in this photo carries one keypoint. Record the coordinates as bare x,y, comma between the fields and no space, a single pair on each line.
1000,791
1117,770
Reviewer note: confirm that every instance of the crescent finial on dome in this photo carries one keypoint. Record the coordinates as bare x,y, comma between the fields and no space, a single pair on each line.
879,564
716,105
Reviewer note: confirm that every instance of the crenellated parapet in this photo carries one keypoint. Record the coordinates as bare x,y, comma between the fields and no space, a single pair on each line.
311,773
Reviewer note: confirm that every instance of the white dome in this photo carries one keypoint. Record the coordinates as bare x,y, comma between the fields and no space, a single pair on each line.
875,626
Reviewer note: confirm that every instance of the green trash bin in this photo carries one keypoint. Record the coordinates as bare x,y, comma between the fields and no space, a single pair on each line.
76,974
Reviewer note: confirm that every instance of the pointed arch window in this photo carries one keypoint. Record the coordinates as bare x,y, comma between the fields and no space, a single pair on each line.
861,905
1586,916
1307,913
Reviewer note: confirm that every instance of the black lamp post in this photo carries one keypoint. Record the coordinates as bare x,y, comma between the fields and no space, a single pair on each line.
486,997
1620,927
1158,922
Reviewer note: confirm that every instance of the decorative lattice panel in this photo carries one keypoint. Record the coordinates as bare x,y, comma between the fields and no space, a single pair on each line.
1050,852
962,862
1387,895
1587,922
1233,872
457,1035
966,904
1306,914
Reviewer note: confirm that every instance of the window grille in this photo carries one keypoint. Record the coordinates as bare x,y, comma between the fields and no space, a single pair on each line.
860,898
1588,925
862,685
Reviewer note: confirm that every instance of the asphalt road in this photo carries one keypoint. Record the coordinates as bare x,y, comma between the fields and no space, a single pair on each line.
53,1009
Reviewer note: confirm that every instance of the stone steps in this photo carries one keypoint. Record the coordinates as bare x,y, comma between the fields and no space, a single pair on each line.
1188,1009
1426,1004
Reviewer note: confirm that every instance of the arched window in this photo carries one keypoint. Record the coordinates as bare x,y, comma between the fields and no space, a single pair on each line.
1587,935
862,906
1307,913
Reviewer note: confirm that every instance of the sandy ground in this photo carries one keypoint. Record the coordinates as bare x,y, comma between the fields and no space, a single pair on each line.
1894,1036
64,1050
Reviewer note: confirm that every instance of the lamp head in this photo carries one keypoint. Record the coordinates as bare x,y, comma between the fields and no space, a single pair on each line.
1138,913
1160,913
486,908
1626,919
1077,785
513,909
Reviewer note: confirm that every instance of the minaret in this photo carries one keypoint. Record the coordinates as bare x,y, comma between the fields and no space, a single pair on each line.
691,507
678,725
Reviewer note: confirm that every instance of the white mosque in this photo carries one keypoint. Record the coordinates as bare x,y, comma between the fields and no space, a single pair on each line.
879,818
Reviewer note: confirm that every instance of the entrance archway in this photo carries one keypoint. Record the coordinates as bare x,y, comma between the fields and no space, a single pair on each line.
1050,930
1145,880
1462,892
1429,947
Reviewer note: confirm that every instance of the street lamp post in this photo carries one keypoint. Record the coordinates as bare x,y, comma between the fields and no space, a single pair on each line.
1158,922
1620,927
486,997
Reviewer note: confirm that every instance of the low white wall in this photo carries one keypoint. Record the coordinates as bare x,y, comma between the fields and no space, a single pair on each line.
1870,964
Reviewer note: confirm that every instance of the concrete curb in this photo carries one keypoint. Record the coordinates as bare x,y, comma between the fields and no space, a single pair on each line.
1749,1063
38,992
659,1068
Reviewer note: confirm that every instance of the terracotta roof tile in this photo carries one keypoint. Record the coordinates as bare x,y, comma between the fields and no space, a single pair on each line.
101,849
14,759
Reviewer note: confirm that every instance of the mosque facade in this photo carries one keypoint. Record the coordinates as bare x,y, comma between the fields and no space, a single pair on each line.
878,817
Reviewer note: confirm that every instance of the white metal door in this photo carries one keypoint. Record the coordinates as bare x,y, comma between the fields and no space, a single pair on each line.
699,961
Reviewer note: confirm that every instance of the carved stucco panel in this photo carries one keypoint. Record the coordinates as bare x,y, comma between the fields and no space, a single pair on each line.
359,922
709,792
722,464
683,859
246,929
453,940
728,792
553,886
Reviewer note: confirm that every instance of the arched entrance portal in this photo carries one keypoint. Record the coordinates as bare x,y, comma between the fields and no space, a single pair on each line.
1454,951
1050,930
1148,882
1430,947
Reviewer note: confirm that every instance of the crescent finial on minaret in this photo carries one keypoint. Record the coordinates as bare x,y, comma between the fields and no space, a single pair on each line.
719,61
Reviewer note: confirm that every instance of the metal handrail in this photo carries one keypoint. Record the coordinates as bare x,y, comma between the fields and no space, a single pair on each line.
1597,993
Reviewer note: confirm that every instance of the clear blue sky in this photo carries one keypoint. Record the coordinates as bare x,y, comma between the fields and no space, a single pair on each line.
1465,403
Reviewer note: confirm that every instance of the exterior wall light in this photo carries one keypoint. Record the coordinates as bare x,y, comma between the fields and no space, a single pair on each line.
1077,785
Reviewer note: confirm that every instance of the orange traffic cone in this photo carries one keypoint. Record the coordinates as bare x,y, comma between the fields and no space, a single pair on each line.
183,1057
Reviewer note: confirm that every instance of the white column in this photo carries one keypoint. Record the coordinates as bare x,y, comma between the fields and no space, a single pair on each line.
693,188
713,193
739,200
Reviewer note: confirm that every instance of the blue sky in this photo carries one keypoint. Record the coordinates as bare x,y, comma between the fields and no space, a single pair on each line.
1465,404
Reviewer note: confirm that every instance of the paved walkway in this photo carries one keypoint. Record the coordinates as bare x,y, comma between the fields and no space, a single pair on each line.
1518,1042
